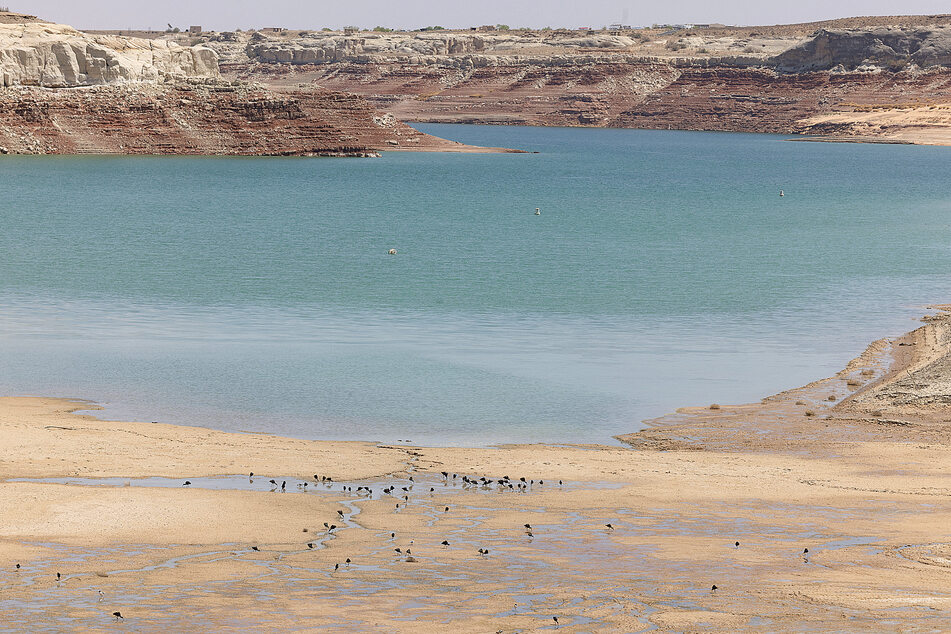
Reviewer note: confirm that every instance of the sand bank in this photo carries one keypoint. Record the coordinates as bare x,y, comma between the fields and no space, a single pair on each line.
855,468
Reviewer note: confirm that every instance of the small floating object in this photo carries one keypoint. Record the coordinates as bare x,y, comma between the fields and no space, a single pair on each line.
392,252
538,211
781,193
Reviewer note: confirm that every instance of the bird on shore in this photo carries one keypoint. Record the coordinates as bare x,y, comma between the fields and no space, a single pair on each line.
283,485
18,566
340,513
446,510
273,482
714,588
101,596
251,474
398,551
336,567
187,483
528,526
58,576
736,545
445,543
555,619
392,535
118,615
255,548
310,544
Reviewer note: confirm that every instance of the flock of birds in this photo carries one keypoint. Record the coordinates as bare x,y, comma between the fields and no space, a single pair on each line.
503,484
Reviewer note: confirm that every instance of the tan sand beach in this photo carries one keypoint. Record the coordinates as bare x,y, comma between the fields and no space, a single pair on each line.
855,468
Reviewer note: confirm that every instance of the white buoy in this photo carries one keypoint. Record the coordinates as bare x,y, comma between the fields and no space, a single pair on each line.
538,211
392,251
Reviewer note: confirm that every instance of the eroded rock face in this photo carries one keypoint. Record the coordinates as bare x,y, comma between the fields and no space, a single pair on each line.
319,48
887,48
53,55
197,117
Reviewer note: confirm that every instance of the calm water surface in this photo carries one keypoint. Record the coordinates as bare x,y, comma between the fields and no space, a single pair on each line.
664,270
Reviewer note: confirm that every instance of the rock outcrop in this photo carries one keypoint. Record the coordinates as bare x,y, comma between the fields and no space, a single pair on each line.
320,48
883,48
757,79
54,55
199,117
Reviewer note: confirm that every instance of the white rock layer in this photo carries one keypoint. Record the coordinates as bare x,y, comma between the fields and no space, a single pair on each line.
56,56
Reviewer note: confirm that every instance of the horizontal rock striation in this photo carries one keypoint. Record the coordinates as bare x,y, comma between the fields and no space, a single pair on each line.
763,79
197,117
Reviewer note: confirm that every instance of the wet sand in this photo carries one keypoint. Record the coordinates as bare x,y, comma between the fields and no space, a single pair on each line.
855,468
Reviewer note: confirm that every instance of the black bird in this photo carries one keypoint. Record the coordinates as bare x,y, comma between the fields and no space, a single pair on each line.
522,479
283,485
251,475
411,479
273,482
560,482
528,526
310,545
529,533
446,509
348,562
714,588
541,482
392,535
58,576
610,526
254,548
332,526
431,489
326,525
444,474
187,483
805,550
18,566
340,513
736,545
336,567
398,551
555,619
118,615
445,543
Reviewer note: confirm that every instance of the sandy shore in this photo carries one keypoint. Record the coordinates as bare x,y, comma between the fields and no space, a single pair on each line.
855,468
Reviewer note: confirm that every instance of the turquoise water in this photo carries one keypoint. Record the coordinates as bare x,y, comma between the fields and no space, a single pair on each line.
664,270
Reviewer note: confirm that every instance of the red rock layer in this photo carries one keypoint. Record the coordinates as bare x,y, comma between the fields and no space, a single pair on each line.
198,118
636,95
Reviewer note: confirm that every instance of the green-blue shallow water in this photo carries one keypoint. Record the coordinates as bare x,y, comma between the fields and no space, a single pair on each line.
664,270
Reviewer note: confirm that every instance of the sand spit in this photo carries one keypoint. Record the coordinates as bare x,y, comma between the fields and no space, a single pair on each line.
855,468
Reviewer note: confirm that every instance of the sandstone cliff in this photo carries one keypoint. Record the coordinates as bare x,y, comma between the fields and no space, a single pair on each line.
762,79
199,117
886,48
53,55
67,92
